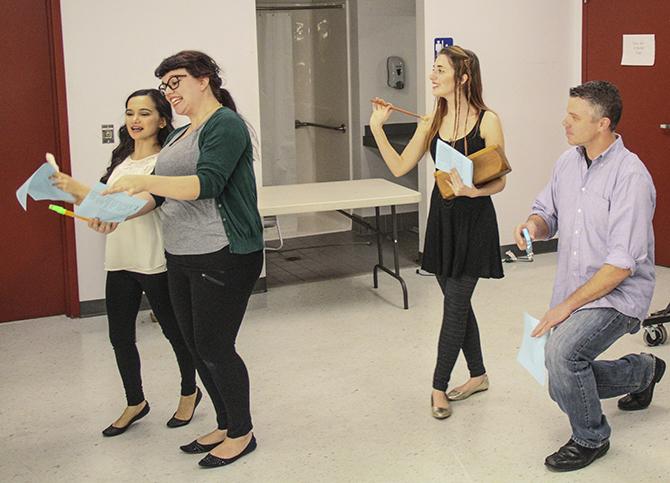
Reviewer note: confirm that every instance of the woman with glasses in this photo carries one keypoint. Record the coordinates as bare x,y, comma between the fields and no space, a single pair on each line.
461,243
135,262
206,188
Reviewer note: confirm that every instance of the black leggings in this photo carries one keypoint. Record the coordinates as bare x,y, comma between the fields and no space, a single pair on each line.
123,294
210,293
459,331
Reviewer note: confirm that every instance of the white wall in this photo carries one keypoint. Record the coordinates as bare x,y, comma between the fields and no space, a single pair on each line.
111,49
530,54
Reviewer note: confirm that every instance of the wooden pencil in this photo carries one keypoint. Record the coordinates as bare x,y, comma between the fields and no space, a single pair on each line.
394,108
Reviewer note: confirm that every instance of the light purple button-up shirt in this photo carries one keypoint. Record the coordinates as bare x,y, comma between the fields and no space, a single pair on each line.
603,214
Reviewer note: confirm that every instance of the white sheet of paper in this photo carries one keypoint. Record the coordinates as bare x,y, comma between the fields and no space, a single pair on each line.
40,187
531,353
639,49
447,158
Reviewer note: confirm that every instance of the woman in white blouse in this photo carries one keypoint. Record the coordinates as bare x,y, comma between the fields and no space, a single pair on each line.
135,262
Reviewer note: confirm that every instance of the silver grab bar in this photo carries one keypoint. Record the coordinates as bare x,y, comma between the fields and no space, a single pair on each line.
342,128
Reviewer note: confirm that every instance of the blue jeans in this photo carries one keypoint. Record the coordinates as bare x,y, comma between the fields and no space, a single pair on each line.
577,382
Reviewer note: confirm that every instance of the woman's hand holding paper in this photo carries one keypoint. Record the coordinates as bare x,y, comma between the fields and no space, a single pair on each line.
70,185
102,226
459,188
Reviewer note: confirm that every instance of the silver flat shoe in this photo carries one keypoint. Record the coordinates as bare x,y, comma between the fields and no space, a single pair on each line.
459,396
439,413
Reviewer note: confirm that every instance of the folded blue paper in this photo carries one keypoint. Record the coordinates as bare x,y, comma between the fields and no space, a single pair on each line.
40,187
531,353
115,207
447,158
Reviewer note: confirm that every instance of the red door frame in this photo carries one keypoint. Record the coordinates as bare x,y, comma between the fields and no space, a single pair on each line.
585,42
660,217
72,307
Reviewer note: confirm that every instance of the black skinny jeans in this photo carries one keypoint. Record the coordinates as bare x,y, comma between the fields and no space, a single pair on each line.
123,295
210,293
459,331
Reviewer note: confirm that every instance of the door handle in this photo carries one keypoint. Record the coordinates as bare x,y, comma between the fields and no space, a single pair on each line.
665,126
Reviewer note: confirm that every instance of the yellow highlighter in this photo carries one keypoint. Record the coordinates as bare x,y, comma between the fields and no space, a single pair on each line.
62,211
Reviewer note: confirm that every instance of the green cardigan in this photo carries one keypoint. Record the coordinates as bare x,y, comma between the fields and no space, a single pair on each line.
225,170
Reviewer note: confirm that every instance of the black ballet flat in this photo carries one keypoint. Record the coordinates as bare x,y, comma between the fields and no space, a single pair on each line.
112,430
175,422
194,447
211,461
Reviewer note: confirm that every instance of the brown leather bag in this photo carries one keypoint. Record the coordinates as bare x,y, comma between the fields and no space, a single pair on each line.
487,164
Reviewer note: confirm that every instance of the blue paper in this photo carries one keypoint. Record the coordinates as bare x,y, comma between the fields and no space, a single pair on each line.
115,207
531,353
447,158
40,187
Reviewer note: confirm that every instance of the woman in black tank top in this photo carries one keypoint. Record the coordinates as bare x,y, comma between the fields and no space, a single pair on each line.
461,243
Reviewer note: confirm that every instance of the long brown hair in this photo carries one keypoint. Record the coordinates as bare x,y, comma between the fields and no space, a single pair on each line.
464,62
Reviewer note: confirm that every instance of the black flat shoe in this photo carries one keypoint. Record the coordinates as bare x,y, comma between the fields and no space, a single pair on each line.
175,422
636,401
194,447
112,430
211,461
574,456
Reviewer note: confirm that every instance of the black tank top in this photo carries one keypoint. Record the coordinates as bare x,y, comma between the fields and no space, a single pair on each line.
474,140
462,233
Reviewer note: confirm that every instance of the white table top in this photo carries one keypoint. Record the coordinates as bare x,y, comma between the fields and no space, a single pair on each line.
332,195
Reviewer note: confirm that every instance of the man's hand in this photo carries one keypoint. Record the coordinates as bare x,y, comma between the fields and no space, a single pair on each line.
518,234
551,319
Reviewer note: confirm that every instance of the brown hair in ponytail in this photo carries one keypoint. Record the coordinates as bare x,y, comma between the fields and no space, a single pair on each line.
199,65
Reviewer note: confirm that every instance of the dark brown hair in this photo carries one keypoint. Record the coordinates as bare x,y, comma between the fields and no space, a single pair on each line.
126,143
604,97
464,62
199,65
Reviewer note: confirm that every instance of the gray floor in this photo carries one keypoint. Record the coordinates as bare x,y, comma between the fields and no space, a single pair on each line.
335,255
341,378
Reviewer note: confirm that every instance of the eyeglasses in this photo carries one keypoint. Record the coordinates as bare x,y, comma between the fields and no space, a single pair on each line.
172,83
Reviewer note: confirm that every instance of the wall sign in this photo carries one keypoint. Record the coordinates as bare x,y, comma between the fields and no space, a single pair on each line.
441,42
639,49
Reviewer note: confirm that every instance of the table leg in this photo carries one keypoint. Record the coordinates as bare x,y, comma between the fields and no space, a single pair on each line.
396,257
380,253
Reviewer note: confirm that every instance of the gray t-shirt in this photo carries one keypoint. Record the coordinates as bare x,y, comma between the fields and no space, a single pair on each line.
189,227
